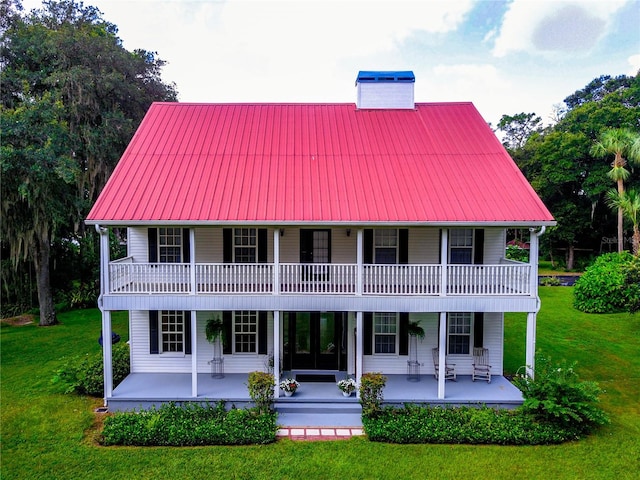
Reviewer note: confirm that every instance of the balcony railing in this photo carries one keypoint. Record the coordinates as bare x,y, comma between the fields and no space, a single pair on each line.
128,277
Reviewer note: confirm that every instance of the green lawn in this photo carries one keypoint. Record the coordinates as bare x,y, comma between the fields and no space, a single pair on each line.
48,435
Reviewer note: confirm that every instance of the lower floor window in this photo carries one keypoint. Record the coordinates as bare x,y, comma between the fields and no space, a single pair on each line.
385,329
172,330
245,331
459,333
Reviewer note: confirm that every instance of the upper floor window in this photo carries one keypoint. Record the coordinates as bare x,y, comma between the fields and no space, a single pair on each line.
386,246
245,332
459,328
172,331
170,245
385,332
245,245
461,246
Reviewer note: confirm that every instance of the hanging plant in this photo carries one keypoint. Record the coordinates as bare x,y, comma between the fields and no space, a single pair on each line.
416,330
214,330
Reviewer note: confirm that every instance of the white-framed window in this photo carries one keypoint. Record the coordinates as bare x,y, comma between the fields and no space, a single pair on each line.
245,245
461,246
459,331
321,246
385,332
169,245
172,331
385,246
245,331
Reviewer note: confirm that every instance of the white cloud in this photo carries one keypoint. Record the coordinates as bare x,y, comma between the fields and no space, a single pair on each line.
634,62
551,26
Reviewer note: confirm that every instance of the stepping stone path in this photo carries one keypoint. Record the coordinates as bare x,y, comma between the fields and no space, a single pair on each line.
319,433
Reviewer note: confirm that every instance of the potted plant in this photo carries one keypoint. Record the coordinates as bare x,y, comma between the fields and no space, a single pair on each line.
214,331
289,385
347,386
415,330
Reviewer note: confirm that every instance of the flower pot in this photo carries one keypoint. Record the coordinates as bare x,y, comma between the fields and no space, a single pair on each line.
346,394
288,394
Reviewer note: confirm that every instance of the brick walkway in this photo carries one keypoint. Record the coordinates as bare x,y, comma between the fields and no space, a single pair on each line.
319,433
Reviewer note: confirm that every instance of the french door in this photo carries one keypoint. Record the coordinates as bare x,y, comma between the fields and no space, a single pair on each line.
314,340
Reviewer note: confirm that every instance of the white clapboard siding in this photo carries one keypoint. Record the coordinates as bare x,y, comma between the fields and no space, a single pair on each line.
494,245
424,245
138,244
208,245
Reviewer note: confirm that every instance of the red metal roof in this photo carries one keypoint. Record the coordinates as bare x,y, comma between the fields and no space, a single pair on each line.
316,163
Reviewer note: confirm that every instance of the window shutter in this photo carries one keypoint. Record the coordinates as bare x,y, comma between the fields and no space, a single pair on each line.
367,335
478,330
403,332
152,234
187,332
478,244
262,333
227,326
154,348
403,246
186,246
367,245
262,245
227,245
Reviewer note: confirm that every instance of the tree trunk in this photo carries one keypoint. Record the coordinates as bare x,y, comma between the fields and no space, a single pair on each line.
570,256
636,241
41,259
620,219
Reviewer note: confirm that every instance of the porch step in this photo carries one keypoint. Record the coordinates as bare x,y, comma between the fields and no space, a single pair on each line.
335,408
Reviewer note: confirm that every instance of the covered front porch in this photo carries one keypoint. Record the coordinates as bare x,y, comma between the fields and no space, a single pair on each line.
143,390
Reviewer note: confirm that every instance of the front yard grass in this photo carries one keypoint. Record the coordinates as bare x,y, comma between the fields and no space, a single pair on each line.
49,435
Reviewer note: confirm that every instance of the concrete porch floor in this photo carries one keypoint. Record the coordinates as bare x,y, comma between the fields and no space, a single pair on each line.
142,390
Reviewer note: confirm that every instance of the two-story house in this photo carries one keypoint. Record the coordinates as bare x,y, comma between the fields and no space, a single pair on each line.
317,233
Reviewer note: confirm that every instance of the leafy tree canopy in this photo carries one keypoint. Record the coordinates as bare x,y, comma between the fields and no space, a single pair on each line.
71,99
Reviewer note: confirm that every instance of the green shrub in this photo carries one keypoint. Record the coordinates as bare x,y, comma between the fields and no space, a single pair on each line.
462,425
550,282
519,254
261,390
371,396
603,287
85,375
632,283
557,396
189,425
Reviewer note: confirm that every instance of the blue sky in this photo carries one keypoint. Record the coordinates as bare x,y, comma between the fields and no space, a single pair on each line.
504,56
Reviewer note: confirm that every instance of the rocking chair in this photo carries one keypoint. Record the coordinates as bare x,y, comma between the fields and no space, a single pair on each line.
449,368
481,367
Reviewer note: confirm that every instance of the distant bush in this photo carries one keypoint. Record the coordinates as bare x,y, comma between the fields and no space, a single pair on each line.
190,424
550,282
85,375
557,396
603,288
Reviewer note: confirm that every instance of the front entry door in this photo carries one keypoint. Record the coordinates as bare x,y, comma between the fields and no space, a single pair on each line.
313,340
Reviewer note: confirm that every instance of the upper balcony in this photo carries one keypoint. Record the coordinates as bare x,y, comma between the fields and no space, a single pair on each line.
508,278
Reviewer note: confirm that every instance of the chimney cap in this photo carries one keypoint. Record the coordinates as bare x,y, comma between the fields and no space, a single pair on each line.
367,76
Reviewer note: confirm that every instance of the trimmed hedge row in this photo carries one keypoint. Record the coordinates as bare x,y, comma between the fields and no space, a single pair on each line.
462,425
190,424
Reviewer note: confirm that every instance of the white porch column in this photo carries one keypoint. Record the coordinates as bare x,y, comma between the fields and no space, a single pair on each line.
359,345
194,353
531,344
192,261
107,355
533,260
276,351
444,250
359,260
276,263
442,349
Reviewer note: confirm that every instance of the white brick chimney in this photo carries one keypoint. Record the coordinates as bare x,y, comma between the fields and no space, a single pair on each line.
385,90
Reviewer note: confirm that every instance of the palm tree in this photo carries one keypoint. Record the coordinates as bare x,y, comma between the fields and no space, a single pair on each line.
629,202
620,142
